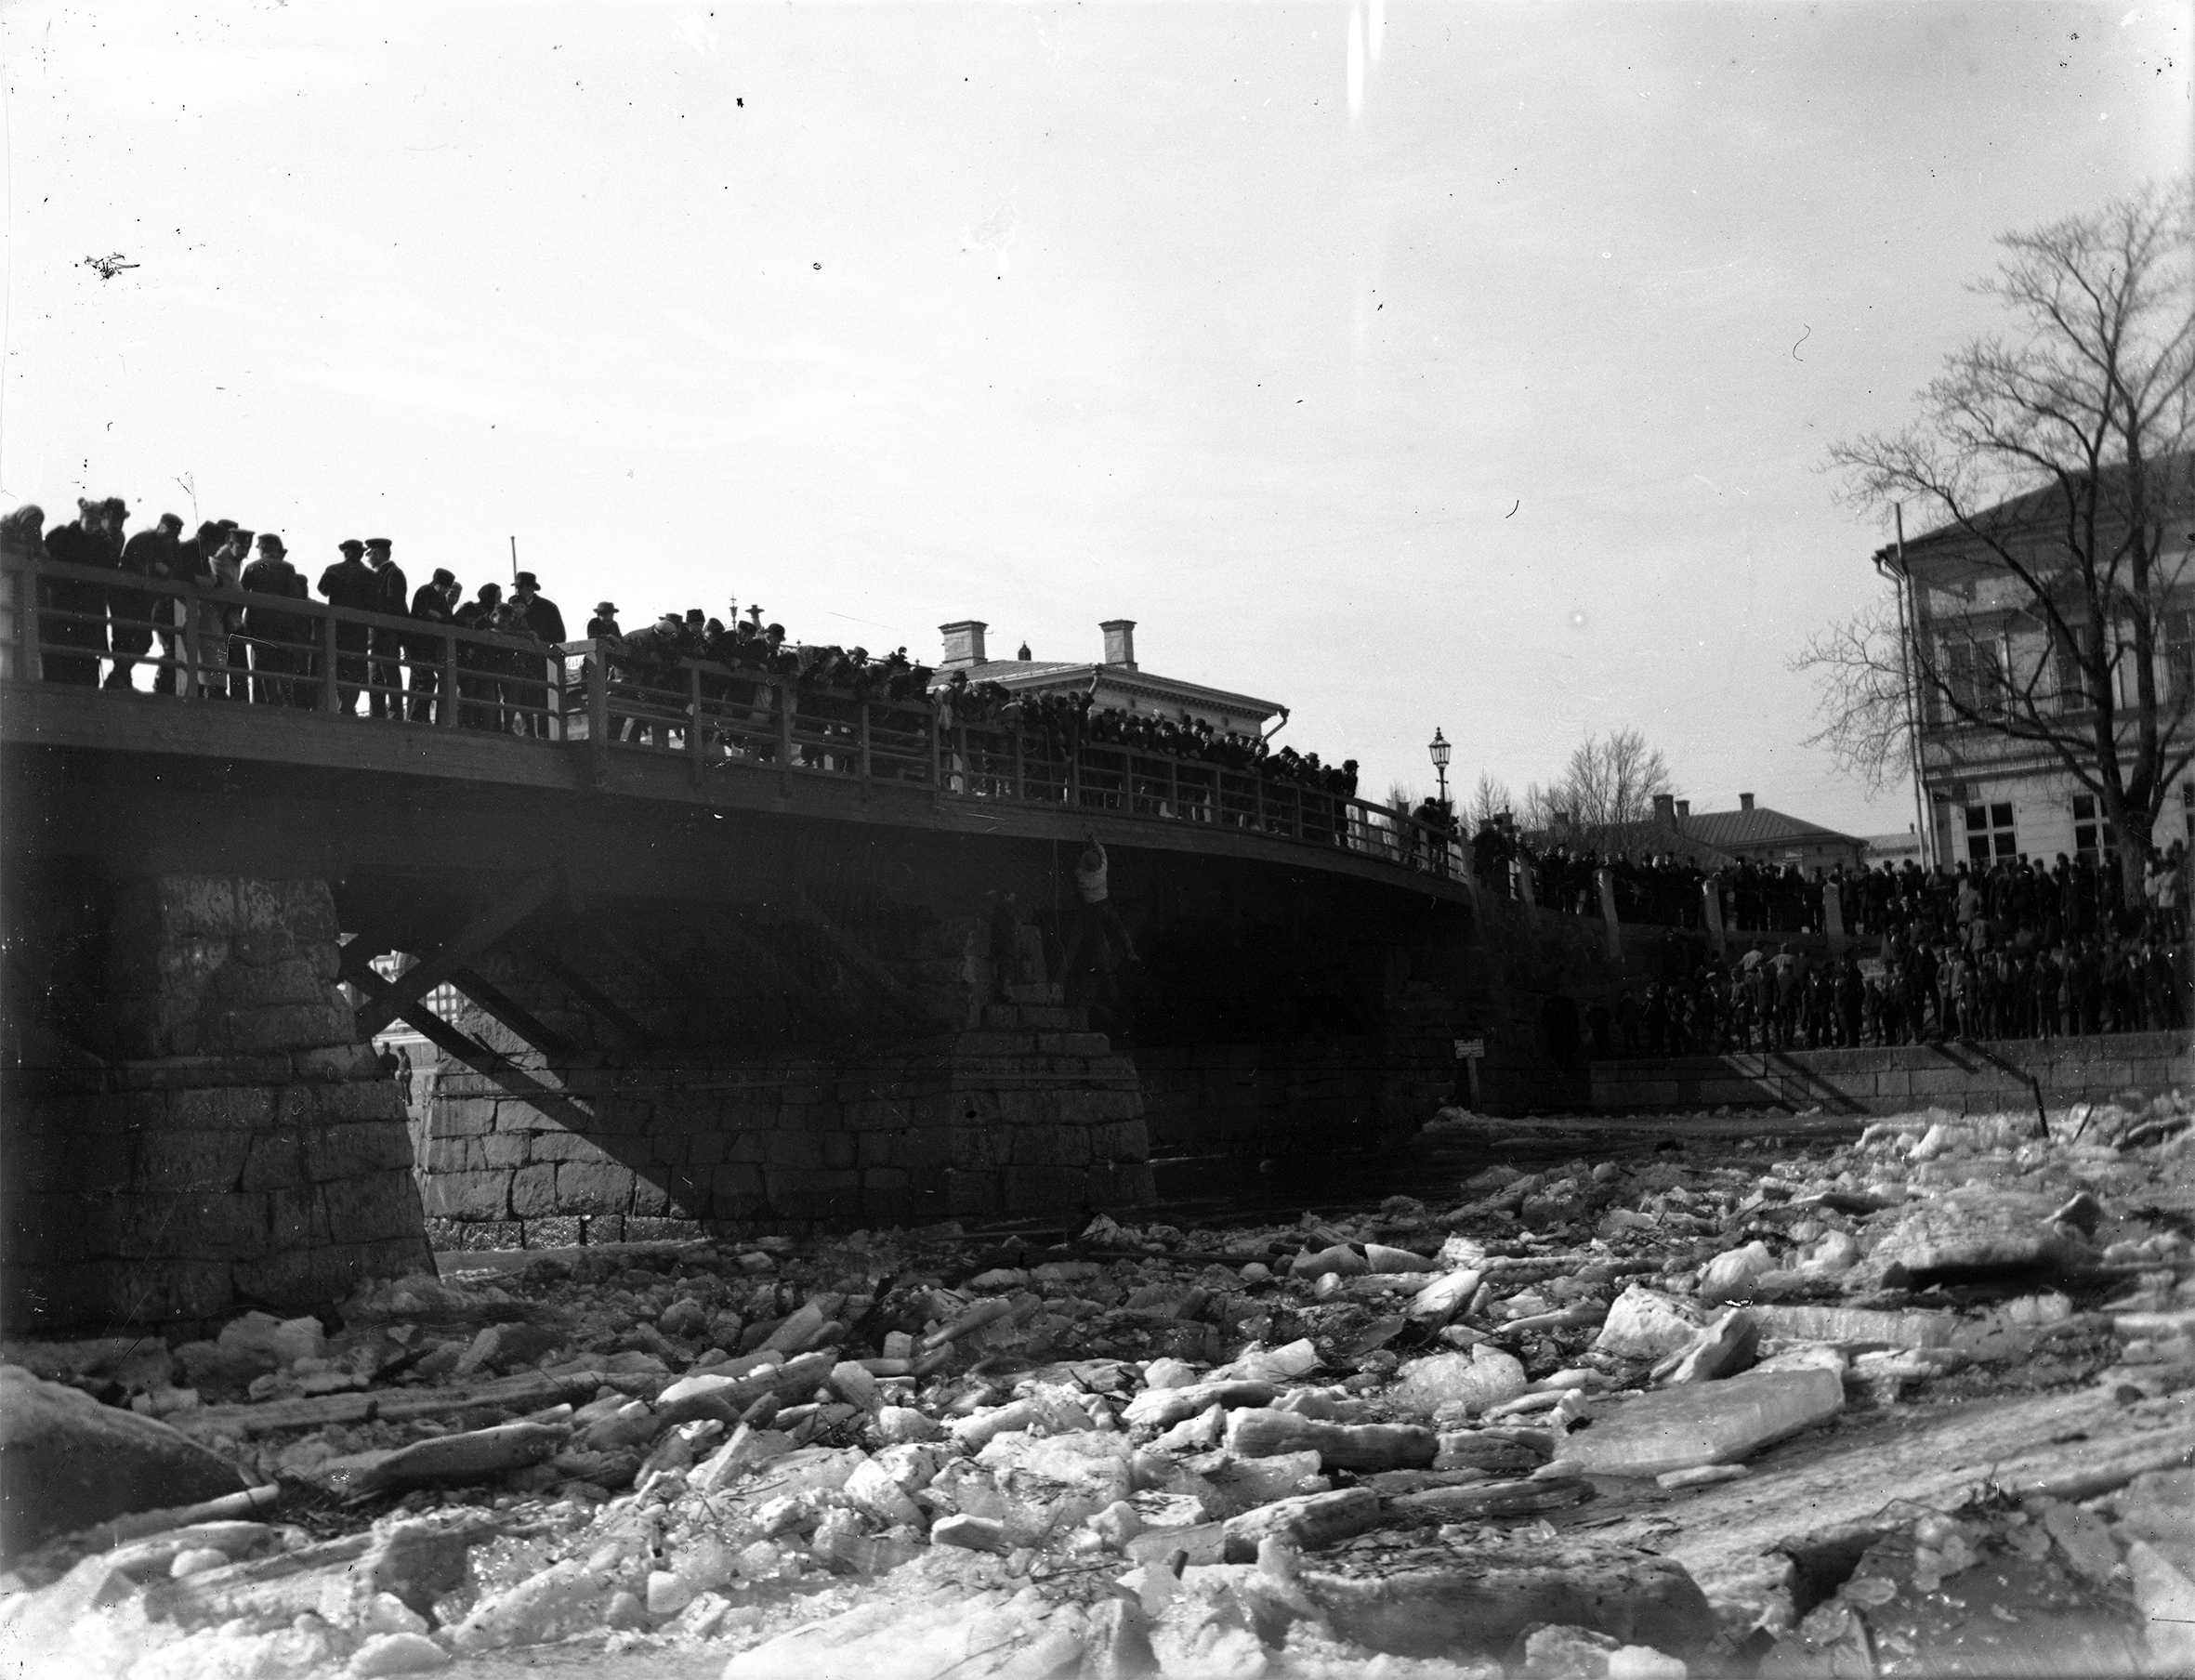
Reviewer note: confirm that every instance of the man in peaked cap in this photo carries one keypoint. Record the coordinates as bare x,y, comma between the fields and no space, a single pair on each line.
393,598
350,584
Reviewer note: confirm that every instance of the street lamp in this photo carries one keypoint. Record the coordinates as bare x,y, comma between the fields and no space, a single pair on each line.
1440,749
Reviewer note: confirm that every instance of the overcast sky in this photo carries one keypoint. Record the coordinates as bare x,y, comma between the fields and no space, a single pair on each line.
1469,365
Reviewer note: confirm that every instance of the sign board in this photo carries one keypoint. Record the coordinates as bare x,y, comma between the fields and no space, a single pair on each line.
1470,1049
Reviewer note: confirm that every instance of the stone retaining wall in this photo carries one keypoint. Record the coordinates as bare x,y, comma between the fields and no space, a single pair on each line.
1894,1080
979,1124
230,1146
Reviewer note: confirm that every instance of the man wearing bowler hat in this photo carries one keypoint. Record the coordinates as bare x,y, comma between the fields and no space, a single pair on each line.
604,623
539,614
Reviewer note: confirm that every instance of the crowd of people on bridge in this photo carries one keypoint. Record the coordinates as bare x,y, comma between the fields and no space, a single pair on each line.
268,655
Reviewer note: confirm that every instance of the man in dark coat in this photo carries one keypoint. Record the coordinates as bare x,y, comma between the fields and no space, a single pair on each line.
434,602
393,598
74,629
133,611
538,614
280,642
350,583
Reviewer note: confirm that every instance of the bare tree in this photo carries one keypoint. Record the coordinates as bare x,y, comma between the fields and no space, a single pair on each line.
1490,798
2055,456
1607,784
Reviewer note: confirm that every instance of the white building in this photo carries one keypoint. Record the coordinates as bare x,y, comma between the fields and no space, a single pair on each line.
1987,666
1122,684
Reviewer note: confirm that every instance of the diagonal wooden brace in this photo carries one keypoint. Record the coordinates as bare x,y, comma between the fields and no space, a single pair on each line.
865,963
383,1006
510,1013
627,1030
507,1076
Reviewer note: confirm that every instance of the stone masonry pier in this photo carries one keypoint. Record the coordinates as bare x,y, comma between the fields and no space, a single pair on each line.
192,1127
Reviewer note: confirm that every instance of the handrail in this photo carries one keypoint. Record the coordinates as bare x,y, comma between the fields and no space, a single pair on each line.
785,726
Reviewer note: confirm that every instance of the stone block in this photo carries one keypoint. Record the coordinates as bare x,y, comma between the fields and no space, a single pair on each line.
279,1027
276,1158
602,1228
453,1155
562,1232
301,1278
918,1149
1122,1186
1120,1140
748,1147
356,1099
663,1230
222,1108
205,1226
1050,1146
178,1160
734,1181
839,1149
705,1150
502,1148
297,1217
106,1115
465,1116
791,1148
58,1163
469,1195
804,1193
586,1187
374,1208
350,1151
244,985
970,1193
1040,1189
533,1192
977,1150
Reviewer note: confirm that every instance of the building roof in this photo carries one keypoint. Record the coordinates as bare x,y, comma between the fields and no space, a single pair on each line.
2042,506
1647,839
1048,674
1759,826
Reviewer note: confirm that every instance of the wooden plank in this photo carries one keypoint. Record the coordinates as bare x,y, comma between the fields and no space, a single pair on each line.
470,941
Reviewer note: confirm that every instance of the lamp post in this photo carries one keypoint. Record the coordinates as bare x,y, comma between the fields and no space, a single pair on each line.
1439,748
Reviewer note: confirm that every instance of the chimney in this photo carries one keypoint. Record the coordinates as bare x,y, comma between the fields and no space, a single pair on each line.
1683,809
964,644
1665,810
1745,802
1120,641
1561,819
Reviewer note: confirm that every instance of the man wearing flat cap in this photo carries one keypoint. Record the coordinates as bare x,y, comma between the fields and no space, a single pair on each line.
434,602
350,583
393,598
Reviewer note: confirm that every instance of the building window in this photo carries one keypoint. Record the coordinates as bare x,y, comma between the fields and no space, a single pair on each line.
1989,833
2092,830
1974,674
2179,637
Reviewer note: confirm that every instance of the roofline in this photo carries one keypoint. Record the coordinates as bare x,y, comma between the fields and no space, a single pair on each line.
1120,677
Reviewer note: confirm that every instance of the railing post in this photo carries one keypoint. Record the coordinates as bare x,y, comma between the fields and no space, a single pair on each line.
866,769
693,720
1074,778
329,693
1173,787
1295,811
1020,770
596,670
28,666
785,699
187,609
935,732
448,720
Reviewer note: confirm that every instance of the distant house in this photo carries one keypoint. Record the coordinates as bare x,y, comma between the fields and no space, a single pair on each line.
1713,839
1898,849
1122,685
1770,836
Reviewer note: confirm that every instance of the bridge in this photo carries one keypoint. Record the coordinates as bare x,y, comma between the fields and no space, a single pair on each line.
727,950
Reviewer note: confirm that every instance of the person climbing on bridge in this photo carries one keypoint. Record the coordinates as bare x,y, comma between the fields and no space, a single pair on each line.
350,583
1099,914
392,596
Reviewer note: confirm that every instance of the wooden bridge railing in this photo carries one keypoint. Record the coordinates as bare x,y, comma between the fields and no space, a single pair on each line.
80,626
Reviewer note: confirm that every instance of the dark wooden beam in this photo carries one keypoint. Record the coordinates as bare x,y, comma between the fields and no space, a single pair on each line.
865,963
440,967
508,1011
507,1076
622,1027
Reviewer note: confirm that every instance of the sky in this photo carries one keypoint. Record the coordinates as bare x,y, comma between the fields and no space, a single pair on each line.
1469,365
